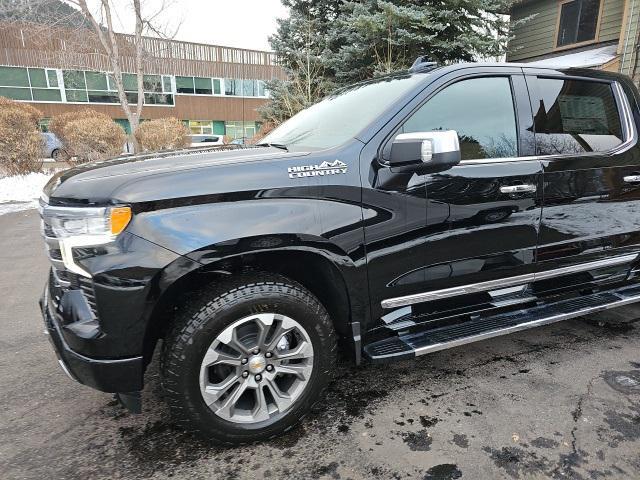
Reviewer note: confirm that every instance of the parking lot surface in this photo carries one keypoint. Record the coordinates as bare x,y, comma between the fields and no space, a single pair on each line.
561,401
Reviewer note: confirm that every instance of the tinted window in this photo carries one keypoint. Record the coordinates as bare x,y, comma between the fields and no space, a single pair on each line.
74,79
151,83
184,84
38,78
576,116
480,110
14,77
96,81
203,86
578,21
338,117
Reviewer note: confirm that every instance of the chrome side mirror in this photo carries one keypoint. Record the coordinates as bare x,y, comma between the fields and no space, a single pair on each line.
428,151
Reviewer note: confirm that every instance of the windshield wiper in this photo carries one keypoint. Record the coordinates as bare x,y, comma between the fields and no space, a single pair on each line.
281,146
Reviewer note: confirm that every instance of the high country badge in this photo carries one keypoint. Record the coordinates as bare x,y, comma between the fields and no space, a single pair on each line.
325,168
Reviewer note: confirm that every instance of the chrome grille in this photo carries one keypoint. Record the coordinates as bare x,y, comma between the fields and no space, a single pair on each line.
86,285
52,245
60,278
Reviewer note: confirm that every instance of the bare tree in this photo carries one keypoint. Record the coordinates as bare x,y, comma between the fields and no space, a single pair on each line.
103,26
90,26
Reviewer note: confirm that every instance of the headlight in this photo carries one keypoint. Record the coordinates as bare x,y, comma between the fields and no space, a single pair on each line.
83,227
106,222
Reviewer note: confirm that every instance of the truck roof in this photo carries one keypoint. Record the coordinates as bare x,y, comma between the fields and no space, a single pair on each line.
583,72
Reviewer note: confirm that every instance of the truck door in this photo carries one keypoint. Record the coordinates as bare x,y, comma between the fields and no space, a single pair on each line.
482,216
586,140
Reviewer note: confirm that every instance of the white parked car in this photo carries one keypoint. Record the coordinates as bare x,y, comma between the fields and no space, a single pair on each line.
206,140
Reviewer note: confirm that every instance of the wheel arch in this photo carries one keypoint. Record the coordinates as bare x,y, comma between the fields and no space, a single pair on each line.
316,270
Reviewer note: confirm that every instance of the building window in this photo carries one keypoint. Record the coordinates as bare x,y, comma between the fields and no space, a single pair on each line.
578,22
52,78
262,89
184,85
198,85
217,86
98,87
232,87
203,86
152,83
244,88
13,76
30,84
241,130
200,127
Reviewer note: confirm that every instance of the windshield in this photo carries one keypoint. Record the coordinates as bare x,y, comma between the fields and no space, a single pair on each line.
341,116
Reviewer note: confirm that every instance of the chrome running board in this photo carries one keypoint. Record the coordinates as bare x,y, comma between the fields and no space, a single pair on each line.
420,343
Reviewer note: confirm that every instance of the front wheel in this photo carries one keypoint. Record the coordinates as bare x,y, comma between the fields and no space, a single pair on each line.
249,359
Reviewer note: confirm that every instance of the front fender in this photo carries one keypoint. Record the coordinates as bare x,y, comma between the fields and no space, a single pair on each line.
224,235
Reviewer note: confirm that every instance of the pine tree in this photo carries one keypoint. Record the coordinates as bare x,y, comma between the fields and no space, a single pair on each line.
327,44
381,36
301,45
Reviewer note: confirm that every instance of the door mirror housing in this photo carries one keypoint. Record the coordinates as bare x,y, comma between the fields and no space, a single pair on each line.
425,151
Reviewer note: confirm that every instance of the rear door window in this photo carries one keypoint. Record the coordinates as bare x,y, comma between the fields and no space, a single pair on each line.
576,116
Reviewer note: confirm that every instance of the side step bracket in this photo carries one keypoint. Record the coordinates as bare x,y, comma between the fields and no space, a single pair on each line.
420,343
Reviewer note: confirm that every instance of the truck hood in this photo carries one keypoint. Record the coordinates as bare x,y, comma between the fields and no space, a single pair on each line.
162,176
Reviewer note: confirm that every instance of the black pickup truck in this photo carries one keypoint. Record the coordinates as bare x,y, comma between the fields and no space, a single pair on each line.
400,216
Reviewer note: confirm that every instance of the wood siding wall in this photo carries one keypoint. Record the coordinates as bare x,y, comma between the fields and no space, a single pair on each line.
629,64
36,46
537,36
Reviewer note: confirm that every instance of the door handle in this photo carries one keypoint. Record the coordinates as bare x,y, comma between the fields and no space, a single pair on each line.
519,188
631,179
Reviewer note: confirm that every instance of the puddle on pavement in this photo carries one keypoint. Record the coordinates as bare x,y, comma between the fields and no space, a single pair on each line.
624,382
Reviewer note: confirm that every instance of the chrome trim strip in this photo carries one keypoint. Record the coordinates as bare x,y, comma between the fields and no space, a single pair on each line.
57,264
523,326
455,291
556,272
58,280
503,282
630,132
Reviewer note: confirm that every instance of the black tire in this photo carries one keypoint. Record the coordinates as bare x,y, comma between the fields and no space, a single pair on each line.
210,313
60,155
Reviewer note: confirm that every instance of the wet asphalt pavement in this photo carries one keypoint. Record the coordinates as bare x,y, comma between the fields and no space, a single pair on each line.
561,401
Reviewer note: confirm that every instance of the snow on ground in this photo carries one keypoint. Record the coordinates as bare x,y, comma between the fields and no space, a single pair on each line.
21,192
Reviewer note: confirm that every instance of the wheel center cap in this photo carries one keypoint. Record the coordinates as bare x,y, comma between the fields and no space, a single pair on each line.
257,364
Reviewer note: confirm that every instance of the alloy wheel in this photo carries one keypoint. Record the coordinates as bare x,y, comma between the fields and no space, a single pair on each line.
256,368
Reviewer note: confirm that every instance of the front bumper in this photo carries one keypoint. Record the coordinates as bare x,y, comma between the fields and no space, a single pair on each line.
107,375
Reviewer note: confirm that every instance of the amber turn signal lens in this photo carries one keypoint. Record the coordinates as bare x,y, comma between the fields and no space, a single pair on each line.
120,217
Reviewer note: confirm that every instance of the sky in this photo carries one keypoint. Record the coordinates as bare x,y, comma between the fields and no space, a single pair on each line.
233,23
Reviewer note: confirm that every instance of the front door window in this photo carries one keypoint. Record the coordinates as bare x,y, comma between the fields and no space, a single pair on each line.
480,110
